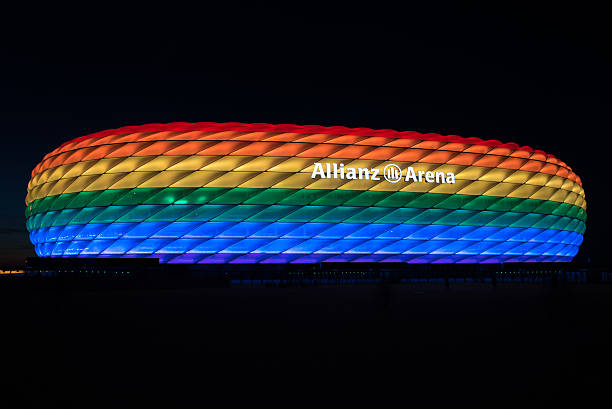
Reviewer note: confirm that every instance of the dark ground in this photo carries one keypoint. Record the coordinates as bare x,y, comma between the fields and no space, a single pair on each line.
471,345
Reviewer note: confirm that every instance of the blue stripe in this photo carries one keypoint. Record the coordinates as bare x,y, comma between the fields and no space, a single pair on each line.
297,242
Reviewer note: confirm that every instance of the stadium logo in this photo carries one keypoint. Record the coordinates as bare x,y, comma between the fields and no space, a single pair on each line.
391,173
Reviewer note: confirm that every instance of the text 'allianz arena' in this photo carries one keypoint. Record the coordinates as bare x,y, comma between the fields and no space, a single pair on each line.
260,193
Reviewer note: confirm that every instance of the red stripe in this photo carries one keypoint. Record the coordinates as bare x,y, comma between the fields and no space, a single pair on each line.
329,130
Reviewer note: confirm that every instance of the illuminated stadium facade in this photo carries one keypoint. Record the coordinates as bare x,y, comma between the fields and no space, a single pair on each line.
260,193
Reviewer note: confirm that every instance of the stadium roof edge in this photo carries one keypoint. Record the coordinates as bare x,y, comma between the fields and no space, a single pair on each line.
330,130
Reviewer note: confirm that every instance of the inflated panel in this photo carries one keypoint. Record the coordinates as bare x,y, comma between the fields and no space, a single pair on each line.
260,193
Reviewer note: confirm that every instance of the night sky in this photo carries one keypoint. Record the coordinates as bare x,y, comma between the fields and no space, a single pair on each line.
535,76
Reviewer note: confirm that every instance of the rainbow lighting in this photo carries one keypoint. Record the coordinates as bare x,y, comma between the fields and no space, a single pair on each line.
259,193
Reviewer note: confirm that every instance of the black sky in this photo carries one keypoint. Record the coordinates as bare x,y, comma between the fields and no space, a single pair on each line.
534,75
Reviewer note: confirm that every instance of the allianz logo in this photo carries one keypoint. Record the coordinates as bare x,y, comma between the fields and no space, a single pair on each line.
392,173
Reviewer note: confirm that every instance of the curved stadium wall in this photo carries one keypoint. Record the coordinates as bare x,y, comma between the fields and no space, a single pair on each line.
260,193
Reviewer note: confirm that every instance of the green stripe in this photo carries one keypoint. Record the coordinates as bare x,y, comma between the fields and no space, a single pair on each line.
299,197
300,214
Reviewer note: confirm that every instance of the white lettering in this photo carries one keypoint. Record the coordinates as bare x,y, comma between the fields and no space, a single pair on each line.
341,172
410,175
375,174
318,170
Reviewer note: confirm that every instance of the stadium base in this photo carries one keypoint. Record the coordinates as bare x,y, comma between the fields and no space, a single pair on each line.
148,272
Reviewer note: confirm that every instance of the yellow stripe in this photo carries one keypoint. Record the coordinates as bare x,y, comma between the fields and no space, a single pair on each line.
483,179
303,179
291,165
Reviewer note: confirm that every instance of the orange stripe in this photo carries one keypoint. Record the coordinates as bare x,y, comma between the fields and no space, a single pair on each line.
514,163
489,161
187,148
410,155
352,151
215,146
289,149
383,152
438,157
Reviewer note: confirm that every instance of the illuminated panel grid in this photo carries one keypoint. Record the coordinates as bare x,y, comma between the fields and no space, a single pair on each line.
244,193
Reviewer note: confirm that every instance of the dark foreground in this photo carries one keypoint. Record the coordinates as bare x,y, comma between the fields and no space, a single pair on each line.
471,344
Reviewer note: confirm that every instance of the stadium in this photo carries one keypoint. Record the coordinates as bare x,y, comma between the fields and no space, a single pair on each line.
211,193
